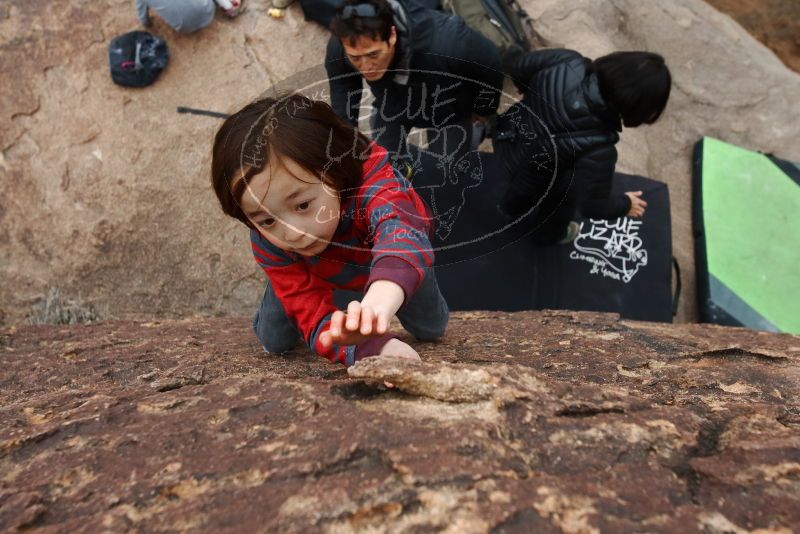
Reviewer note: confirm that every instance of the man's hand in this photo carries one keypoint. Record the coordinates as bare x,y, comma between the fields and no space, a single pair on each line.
637,204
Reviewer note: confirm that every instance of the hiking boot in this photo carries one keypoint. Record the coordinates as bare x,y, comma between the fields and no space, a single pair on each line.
573,229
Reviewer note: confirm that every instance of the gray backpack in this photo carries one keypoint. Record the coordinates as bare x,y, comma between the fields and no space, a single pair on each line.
503,22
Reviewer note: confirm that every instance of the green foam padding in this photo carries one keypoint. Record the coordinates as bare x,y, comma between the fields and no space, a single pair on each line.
751,216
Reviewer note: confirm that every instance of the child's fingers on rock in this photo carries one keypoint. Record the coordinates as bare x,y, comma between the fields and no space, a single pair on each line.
367,317
337,319
353,315
326,338
382,323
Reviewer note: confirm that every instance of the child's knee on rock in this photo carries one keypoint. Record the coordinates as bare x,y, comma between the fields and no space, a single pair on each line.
276,346
274,340
430,330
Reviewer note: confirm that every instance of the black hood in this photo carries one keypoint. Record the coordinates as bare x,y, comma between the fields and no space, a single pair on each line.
415,28
594,99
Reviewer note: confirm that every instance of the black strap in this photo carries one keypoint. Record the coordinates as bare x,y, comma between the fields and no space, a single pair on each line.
182,109
677,297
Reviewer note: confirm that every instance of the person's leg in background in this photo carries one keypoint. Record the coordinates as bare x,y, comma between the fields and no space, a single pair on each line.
445,172
552,218
272,327
532,179
392,135
449,144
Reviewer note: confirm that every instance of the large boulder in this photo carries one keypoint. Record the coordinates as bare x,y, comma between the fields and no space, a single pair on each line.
105,190
524,422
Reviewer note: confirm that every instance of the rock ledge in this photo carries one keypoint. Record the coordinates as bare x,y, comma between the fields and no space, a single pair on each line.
533,421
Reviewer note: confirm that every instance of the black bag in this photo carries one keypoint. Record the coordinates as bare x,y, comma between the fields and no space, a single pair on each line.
137,58
503,22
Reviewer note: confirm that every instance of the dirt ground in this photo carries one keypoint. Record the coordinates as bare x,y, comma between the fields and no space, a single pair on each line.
776,23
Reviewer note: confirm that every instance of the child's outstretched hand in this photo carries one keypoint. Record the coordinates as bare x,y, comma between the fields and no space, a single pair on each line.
358,324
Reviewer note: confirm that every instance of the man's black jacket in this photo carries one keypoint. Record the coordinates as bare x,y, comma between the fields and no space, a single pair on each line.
564,125
434,50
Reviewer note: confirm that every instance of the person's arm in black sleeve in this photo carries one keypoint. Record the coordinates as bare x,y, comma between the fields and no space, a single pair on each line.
344,82
610,208
522,67
595,172
476,58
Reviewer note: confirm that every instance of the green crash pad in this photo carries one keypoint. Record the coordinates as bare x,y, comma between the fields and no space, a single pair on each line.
746,215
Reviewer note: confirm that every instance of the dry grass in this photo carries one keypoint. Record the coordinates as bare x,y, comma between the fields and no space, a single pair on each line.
55,309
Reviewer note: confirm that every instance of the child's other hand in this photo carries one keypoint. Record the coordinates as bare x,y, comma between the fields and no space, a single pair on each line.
398,349
360,323
638,205
395,347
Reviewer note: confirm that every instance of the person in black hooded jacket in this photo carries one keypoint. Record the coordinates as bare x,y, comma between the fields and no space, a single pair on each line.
558,142
426,69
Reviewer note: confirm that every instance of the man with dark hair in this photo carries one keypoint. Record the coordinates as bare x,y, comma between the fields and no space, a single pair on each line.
558,142
425,68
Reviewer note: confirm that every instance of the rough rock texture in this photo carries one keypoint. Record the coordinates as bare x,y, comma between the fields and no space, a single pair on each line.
526,422
104,191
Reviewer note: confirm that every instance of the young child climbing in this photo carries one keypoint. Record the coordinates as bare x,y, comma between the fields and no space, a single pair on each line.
327,211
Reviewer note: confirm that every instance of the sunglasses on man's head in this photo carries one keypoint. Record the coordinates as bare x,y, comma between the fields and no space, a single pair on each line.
359,10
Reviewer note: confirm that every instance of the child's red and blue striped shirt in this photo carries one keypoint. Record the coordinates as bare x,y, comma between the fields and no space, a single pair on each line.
383,234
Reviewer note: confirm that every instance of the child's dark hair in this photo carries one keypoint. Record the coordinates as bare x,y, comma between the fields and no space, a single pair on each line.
356,18
635,84
294,126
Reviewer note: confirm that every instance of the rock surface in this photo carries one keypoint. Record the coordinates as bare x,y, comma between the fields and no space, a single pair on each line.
525,422
105,192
